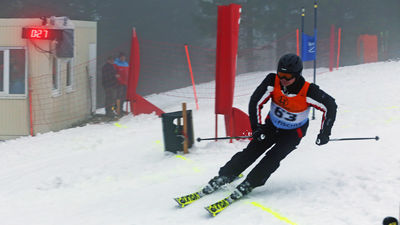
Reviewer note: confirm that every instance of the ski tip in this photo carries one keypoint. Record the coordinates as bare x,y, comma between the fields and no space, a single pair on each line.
217,207
179,203
211,213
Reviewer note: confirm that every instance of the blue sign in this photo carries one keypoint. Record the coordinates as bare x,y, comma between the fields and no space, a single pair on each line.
308,47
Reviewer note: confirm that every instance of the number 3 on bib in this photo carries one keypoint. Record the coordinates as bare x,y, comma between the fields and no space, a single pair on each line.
279,112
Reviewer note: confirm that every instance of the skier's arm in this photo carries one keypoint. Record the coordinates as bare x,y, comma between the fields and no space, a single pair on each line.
324,102
259,97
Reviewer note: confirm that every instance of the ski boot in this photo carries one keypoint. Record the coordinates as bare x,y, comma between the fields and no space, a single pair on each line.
215,183
241,190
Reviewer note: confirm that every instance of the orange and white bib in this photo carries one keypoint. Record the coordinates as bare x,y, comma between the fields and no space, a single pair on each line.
289,112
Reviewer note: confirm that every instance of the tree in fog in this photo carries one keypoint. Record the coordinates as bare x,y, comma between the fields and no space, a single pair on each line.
195,22
267,20
75,9
262,21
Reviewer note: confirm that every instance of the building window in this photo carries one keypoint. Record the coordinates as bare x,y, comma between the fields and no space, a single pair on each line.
17,71
1,71
56,76
12,71
70,74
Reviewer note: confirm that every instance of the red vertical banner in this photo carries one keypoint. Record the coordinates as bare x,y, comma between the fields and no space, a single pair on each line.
139,105
236,121
227,45
134,67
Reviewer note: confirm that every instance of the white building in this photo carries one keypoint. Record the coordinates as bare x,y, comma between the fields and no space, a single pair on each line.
47,74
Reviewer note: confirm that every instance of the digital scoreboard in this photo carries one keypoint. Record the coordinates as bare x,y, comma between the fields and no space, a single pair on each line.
38,33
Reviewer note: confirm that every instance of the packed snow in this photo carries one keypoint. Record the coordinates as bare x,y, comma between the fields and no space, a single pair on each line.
119,173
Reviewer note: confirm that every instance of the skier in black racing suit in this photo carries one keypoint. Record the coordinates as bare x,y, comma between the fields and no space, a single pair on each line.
286,124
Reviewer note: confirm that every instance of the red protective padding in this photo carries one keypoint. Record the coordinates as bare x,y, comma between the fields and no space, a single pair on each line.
241,125
141,106
370,47
237,123
227,45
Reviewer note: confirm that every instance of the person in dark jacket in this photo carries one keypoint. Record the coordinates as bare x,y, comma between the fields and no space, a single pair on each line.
110,85
281,131
122,67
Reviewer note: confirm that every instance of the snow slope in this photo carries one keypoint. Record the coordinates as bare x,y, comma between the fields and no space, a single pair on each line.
119,174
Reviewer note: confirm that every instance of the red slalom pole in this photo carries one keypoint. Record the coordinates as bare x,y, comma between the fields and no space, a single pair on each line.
338,48
191,75
30,105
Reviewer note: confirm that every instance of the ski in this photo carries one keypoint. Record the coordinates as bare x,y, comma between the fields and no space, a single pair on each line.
241,190
190,198
217,207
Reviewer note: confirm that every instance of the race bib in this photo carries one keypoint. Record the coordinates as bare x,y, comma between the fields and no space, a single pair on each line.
284,119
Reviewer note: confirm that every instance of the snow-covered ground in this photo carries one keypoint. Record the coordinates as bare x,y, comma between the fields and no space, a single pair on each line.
119,174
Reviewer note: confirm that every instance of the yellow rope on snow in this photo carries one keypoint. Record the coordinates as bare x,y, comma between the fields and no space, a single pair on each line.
275,214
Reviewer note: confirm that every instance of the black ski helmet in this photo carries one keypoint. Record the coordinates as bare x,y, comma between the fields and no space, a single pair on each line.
290,63
390,221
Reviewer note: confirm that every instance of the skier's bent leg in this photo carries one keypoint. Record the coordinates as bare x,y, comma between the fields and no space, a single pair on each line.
242,160
238,163
270,163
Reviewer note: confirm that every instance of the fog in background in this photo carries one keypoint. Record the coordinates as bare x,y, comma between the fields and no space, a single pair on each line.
267,30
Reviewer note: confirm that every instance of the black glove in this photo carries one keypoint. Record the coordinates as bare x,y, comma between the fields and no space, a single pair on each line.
259,133
322,138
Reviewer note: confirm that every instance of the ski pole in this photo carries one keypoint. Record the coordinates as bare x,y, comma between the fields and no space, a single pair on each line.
333,139
353,139
221,138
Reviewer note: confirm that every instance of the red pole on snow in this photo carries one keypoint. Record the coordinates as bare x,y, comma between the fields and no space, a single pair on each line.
338,48
191,75
30,106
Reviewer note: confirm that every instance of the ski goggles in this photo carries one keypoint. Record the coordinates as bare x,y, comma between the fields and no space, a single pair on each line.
286,76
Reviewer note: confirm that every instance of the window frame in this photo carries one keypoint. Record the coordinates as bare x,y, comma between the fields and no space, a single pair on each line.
69,66
56,91
5,94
